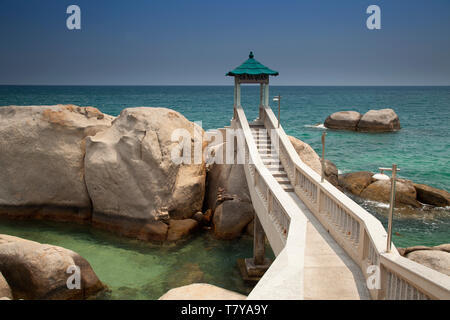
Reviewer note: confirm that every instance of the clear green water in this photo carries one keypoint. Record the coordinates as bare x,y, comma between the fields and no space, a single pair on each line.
134,269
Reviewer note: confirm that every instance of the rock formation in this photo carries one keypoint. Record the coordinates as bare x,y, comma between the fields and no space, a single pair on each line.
131,176
70,163
42,160
364,185
384,120
41,271
343,120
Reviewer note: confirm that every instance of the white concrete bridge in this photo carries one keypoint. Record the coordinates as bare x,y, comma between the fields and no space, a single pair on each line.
324,242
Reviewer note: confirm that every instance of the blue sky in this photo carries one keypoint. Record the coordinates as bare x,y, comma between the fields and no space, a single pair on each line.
310,42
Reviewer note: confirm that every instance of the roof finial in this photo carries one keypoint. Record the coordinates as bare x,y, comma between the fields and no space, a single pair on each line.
251,56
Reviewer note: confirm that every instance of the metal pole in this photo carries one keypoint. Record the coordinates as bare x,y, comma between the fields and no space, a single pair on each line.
391,207
279,107
323,157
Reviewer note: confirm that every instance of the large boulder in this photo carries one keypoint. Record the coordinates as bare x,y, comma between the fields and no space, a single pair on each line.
41,271
383,120
435,259
355,182
42,160
343,120
433,196
231,217
5,290
405,193
227,195
132,177
201,291
312,160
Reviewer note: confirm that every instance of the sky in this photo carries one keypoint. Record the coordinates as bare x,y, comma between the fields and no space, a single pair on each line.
195,42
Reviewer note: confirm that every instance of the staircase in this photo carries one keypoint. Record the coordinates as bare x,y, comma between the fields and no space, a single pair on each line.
269,157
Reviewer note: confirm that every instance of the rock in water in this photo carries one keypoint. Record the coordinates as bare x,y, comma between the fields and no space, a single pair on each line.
131,176
343,120
5,290
433,196
380,190
39,271
434,259
42,160
355,182
383,120
201,291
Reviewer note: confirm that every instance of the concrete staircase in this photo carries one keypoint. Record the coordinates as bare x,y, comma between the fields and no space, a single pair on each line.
269,157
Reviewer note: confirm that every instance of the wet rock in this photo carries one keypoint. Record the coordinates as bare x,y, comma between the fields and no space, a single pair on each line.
179,229
343,120
39,271
432,196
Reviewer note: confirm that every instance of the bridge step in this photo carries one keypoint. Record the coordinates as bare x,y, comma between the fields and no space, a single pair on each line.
279,174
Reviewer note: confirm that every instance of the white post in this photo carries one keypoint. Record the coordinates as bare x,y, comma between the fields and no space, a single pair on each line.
261,100
238,97
266,100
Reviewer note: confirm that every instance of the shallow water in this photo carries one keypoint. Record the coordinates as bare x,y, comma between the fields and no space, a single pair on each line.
133,269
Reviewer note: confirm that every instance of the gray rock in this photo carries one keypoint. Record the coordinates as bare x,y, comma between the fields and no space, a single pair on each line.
383,120
39,271
42,160
434,259
131,176
343,120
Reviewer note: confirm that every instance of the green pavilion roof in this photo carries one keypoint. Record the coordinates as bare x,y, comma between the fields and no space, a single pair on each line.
252,67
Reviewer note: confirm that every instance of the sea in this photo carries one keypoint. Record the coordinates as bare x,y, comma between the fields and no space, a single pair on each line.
421,149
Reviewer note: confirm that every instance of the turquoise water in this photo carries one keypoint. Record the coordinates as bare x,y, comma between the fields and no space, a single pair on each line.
136,270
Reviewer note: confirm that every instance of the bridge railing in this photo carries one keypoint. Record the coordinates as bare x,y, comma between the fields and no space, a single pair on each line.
358,232
278,214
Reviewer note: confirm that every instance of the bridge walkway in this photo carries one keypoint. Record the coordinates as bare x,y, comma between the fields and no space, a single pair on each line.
329,273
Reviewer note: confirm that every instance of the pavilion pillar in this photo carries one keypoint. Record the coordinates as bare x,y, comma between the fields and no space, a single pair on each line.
261,100
266,98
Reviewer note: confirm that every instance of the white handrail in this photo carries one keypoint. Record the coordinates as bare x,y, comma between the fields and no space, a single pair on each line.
360,234
284,279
